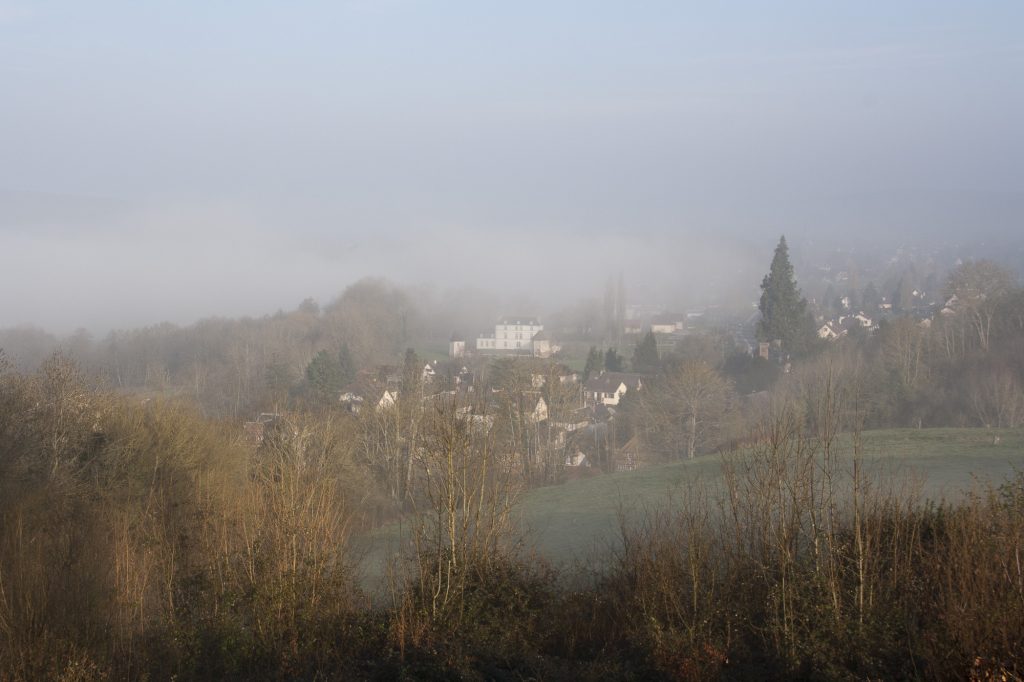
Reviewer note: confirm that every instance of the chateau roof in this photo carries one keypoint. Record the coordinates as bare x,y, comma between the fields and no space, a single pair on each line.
523,320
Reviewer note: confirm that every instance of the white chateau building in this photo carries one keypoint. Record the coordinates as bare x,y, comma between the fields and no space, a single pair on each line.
516,336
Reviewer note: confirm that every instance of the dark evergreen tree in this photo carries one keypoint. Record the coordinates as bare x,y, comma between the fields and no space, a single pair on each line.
595,363
784,314
645,355
324,376
613,362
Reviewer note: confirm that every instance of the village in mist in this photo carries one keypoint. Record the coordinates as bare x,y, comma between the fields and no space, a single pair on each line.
404,340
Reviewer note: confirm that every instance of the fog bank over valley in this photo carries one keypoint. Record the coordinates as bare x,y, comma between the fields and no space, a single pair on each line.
163,165
79,262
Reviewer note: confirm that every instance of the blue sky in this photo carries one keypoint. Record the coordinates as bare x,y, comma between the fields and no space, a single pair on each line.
370,136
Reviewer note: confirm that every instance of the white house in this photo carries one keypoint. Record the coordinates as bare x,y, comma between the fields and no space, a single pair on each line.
952,306
380,399
859,319
352,400
608,388
516,336
387,399
827,331
536,406
577,460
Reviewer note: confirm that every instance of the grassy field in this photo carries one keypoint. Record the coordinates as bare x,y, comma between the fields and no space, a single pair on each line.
580,518
430,353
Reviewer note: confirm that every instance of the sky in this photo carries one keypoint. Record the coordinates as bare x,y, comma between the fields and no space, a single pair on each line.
170,161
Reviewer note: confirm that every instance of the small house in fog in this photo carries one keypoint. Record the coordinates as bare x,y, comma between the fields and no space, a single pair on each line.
858,320
535,406
387,399
577,459
352,401
254,432
429,372
632,455
456,347
541,346
354,398
829,332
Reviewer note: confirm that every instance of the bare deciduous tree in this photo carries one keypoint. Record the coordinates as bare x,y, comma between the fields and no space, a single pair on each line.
978,286
684,409
996,398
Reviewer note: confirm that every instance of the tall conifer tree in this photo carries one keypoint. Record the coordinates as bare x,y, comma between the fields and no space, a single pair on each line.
784,313
645,355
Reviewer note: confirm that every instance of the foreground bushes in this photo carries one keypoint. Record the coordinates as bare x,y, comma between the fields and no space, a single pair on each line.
139,541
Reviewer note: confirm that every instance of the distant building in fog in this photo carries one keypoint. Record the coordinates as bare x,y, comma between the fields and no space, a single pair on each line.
456,347
516,336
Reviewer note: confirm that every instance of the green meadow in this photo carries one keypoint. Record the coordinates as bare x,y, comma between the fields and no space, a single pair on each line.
580,519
